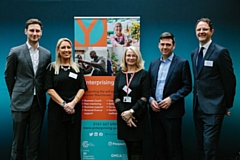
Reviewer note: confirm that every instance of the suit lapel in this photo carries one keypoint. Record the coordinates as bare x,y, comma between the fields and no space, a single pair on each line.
40,58
171,68
28,57
207,55
156,69
195,61
209,51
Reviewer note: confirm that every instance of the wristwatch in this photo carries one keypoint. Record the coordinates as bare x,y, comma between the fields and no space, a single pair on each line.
63,103
131,111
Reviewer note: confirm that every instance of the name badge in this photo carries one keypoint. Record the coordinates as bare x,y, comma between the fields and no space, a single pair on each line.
127,90
127,99
208,63
72,75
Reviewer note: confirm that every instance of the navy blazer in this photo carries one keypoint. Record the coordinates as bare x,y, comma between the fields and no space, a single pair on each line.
177,86
20,78
215,84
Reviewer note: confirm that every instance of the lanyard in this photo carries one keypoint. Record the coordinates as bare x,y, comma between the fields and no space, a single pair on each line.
128,82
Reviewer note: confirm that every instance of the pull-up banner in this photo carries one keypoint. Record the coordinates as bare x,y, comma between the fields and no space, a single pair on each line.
99,45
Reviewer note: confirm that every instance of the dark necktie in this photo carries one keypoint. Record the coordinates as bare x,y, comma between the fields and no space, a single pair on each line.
200,58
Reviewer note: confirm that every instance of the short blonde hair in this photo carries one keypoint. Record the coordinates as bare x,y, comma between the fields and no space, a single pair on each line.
140,62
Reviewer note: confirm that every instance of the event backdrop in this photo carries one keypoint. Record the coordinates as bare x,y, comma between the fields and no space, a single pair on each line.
99,127
157,16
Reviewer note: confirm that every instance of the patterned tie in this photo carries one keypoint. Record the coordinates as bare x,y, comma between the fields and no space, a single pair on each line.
200,58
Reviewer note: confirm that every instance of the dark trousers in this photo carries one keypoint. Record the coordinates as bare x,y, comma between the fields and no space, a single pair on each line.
63,133
167,137
134,148
27,123
208,128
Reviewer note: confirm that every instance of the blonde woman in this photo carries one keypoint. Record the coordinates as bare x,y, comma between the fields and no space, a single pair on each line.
66,85
131,91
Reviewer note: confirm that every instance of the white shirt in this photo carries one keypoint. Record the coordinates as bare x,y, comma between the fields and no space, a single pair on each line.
205,47
34,54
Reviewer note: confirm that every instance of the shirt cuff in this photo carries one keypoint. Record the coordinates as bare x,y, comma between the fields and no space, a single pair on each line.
150,99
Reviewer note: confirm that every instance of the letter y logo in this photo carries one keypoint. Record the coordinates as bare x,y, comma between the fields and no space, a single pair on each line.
90,32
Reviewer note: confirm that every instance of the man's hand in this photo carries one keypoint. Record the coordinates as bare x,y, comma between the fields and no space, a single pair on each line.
154,105
166,103
227,112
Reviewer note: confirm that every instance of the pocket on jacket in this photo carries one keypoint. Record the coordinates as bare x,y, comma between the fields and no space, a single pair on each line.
19,89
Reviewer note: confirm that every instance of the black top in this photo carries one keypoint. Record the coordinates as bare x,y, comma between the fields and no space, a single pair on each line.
66,83
64,129
140,88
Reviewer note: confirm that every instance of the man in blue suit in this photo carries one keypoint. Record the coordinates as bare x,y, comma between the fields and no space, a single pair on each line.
25,76
214,89
170,80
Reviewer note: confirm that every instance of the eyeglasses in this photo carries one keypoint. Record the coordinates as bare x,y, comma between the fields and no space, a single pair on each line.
203,29
118,26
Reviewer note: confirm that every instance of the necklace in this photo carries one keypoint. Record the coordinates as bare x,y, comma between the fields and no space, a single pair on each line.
64,67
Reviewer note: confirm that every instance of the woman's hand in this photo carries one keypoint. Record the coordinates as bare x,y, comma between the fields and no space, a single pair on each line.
126,115
128,118
131,123
69,109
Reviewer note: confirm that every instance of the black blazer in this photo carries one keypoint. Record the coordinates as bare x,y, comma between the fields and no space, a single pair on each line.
215,84
177,86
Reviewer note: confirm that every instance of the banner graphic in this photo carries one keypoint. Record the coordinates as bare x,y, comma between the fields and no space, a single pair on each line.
99,50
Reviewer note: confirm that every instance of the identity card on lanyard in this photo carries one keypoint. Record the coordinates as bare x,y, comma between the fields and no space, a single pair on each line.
128,90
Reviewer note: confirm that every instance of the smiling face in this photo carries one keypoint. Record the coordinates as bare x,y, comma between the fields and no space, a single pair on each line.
65,50
118,29
203,32
131,58
34,33
166,47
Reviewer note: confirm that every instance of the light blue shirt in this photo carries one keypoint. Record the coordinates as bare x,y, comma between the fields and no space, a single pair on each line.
161,79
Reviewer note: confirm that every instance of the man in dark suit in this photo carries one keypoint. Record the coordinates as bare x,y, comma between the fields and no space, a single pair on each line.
214,89
24,75
171,81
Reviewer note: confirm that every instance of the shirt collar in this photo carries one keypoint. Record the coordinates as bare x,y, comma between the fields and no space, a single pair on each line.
30,47
206,45
170,58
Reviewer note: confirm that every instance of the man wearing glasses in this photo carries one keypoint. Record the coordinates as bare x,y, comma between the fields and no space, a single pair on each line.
214,89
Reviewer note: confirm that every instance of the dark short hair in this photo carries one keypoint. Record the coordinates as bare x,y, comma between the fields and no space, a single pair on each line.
93,52
167,35
207,20
33,21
